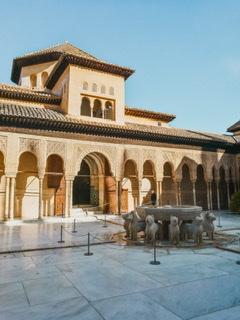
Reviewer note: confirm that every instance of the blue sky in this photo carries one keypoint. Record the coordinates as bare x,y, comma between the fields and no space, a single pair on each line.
186,53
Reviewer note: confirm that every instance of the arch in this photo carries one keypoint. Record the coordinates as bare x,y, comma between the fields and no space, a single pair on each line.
186,186
94,185
33,80
97,109
111,91
103,89
94,87
108,111
54,186
168,185
85,107
148,182
223,196
85,85
214,190
44,77
201,188
27,187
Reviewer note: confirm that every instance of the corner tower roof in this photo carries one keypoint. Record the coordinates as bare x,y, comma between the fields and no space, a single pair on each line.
58,52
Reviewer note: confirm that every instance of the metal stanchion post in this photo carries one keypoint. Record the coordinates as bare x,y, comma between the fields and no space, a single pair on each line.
88,253
219,220
105,222
74,226
154,262
61,235
238,261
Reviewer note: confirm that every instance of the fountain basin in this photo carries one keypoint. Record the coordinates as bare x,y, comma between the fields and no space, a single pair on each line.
184,213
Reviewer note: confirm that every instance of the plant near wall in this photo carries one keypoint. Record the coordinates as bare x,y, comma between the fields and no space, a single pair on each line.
235,203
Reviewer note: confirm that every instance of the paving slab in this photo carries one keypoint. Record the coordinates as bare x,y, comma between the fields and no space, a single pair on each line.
107,278
134,306
200,297
74,309
228,314
55,288
12,296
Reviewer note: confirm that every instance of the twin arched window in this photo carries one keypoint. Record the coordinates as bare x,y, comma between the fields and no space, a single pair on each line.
33,80
100,109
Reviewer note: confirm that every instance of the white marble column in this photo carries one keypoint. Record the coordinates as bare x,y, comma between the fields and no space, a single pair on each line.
139,192
228,193
159,192
12,197
7,194
118,196
194,192
67,198
40,204
70,197
218,195
210,194
179,198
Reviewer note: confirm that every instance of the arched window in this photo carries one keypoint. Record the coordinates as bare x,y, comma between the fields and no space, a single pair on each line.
94,87
85,107
111,91
97,109
33,80
85,85
44,77
103,89
108,112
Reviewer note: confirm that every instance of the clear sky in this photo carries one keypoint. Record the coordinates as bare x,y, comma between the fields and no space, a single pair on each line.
186,53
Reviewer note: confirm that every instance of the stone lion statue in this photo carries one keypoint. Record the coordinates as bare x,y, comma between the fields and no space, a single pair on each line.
132,224
207,224
194,230
174,230
152,228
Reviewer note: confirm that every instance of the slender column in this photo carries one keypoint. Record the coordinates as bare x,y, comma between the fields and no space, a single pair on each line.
139,192
71,197
218,195
119,197
67,197
228,193
210,194
91,106
157,193
194,192
159,184
179,198
12,196
40,204
6,210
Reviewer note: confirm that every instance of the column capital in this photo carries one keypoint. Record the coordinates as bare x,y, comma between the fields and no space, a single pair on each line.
11,174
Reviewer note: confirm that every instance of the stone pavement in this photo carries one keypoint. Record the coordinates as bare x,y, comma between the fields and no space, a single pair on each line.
119,283
29,235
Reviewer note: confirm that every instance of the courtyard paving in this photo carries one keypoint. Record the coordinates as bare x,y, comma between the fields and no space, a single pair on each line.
117,282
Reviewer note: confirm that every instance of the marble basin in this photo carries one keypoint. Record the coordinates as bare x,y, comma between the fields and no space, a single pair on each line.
164,213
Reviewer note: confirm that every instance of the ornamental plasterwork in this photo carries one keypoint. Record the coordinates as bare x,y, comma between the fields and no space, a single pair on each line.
29,145
107,152
56,148
3,144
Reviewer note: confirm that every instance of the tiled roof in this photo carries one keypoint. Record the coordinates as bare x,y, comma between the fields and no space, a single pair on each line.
66,48
26,94
235,127
45,119
144,113
65,53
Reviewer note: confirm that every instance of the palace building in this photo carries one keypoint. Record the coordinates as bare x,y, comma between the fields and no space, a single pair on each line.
67,140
